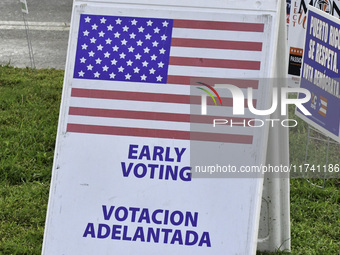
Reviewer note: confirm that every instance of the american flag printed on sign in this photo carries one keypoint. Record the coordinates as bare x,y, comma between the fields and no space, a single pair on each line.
131,75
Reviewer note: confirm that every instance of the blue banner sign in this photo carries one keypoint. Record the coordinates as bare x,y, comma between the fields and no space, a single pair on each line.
320,72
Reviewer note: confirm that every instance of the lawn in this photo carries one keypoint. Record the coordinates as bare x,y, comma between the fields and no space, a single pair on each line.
29,108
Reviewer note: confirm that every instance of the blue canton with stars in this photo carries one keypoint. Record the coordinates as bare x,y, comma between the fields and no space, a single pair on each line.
123,49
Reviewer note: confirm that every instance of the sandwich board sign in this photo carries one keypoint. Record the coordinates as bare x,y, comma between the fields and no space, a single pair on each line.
140,164
320,73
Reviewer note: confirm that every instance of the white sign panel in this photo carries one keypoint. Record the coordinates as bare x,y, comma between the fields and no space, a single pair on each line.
133,143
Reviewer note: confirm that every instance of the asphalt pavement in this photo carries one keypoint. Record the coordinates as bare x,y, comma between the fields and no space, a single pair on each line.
48,23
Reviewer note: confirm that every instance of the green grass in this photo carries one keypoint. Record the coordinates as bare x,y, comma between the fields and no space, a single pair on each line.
29,107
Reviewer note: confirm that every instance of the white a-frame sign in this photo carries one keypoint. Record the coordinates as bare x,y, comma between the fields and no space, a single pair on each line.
140,165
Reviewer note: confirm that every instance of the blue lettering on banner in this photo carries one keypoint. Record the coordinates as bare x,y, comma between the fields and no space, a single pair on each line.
152,170
188,237
157,153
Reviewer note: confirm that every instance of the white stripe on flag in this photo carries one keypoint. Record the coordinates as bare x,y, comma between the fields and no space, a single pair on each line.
215,54
217,35
218,111
322,110
150,124
212,72
323,102
129,105
173,89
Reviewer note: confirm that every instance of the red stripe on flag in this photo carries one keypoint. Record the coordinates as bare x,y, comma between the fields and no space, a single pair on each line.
160,133
219,25
188,80
218,63
322,113
148,97
133,96
144,115
124,114
325,100
216,44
